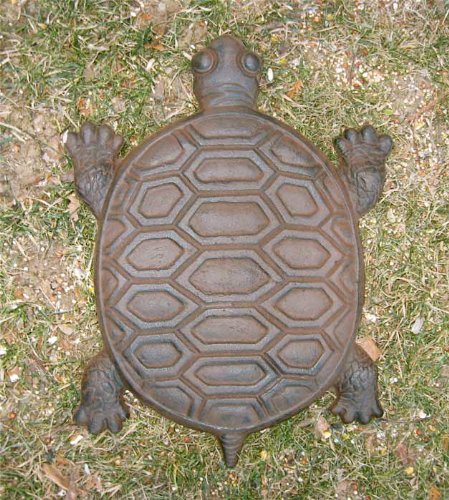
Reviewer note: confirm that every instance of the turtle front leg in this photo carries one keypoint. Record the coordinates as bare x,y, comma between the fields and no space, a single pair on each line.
94,151
357,389
364,154
102,404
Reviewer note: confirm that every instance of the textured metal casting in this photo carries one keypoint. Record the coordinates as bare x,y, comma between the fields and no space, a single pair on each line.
229,273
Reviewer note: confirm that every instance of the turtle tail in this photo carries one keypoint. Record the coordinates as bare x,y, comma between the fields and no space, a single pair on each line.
232,443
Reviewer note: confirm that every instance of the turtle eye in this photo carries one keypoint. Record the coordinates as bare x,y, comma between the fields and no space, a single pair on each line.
203,61
251,62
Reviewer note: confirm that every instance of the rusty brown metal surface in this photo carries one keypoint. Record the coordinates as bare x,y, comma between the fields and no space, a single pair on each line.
229,278
228,272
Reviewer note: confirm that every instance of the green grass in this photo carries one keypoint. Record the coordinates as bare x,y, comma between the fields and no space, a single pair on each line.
67,61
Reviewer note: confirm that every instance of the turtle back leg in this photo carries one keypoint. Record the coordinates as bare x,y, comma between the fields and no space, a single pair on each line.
357,389
94,151
102,404
363,153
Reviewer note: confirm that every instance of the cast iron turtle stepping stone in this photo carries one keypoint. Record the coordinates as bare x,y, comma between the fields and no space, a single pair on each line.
229,271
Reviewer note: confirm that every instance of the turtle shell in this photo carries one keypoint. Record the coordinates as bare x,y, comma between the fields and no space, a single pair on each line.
229,272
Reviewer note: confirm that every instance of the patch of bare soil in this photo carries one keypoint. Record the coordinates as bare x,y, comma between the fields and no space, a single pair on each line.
30,148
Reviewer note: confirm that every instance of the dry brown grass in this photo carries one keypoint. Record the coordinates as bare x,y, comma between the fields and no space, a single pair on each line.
335,64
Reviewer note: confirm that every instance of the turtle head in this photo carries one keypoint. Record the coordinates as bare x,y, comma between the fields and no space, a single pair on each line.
226,74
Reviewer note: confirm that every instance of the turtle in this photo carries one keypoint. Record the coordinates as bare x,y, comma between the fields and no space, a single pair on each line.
229,271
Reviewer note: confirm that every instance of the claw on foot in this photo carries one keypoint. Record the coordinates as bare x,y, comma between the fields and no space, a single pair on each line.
97,417
357,389
92,140
102,406
349,412
94,151
101,138
364,140
364,153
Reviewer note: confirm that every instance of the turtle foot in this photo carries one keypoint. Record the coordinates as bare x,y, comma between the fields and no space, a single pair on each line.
100,416
94,151
364,153
102,405
93,145
364,146
350,410
357,390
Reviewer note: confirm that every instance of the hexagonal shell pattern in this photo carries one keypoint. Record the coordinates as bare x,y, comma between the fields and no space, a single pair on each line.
299,201
230,130
209,325
228,375
154,254
229,219
167,152
227,330
157,357
174,396
232,275
304,253
153,306
304,304
158,202
227,170
228,413
300,354
289,155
